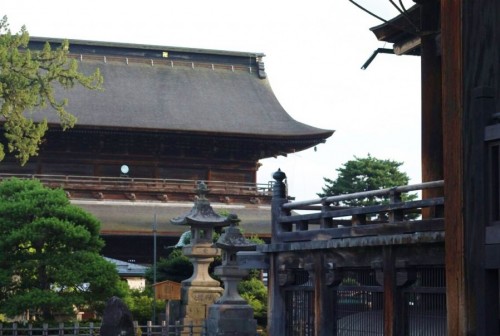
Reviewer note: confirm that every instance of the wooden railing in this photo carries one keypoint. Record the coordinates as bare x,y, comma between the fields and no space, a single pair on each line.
160,187
327,220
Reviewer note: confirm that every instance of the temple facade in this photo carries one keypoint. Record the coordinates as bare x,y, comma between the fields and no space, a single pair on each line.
167,118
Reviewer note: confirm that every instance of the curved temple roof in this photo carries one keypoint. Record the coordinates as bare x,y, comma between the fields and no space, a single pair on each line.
153,88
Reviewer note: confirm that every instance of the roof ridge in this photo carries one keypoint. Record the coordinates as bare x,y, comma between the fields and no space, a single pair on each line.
165,62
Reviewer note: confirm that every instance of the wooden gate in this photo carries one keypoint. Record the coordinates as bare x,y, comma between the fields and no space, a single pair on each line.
359,304
299,303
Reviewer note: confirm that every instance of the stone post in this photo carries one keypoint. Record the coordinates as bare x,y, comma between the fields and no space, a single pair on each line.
231,315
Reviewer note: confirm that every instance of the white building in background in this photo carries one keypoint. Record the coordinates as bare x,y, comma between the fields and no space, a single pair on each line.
134,274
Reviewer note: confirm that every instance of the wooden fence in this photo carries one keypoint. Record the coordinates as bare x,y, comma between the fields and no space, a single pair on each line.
92,329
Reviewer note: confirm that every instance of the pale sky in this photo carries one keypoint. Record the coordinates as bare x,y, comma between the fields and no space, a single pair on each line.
314,52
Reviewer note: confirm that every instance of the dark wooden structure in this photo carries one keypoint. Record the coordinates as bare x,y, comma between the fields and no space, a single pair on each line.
173,116
460,97
354,271
437,275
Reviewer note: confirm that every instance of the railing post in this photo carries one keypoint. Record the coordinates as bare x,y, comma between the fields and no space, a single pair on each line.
149,328
177,328
91,328
14,329
76,329
276,299
395,215
30,329
326,222
358,220
302,225
136,327
164,328
1,329
45,331
279,198
61,329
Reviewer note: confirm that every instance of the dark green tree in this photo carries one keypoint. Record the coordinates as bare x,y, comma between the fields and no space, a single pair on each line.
254,292
140,303
27,83
365,174
49,253
175,267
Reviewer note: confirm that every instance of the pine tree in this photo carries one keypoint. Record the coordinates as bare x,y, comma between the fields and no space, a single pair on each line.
365,174
49,253
27,82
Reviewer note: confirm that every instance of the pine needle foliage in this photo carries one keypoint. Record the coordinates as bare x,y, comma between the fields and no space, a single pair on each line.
49,254
27,84
366,174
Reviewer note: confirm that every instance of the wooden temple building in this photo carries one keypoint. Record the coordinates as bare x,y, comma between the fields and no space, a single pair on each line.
172,116
369,270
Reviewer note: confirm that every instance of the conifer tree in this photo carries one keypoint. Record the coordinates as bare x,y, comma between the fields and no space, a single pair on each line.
366,174
27,84
49,253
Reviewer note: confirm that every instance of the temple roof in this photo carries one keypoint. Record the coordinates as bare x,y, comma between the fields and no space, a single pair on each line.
165,89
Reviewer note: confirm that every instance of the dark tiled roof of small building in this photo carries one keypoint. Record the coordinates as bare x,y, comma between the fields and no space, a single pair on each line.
151,88
127,269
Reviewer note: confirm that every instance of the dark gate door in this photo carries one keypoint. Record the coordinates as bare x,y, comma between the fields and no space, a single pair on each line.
299,305
359,304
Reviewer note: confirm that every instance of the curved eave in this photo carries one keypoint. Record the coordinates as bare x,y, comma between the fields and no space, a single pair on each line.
263,145
317,135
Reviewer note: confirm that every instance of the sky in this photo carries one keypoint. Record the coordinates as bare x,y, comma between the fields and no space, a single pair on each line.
314,52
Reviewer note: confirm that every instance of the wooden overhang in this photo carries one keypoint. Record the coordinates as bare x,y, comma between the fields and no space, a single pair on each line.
403,31
177,91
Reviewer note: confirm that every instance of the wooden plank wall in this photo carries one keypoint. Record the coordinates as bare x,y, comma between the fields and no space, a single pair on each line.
470,62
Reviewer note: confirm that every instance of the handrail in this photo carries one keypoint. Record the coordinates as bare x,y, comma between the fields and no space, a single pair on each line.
263,188
370,193
327,221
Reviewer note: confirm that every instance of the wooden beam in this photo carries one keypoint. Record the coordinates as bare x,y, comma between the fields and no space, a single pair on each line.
452,111
432,121
403,47
363,230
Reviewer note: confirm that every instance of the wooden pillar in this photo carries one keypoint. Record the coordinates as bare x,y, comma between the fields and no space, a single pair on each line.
323,300
393,315
451,41
469,61
432,121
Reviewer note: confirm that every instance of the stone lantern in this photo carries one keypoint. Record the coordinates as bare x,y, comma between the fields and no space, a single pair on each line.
231,314
200,290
